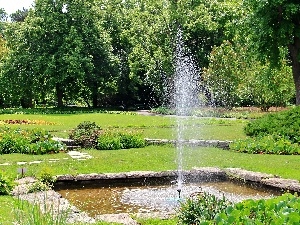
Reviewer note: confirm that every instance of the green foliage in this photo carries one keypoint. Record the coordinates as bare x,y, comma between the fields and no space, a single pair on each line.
75,63
31,213
6,184
235,77
38,186
201,209
266,145
34,141
284,209
86,134
154,221
281,210
120,140
285,124
163,110
46,175
63,110
273,28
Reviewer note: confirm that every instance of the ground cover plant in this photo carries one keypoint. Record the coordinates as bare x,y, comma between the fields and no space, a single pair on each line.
276,133
33,141
285,124
284,209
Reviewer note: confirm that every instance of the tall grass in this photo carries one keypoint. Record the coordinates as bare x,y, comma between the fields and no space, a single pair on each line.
26,213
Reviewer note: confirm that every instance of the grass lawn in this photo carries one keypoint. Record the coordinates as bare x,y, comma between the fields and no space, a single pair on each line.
149,126
150,158
155,158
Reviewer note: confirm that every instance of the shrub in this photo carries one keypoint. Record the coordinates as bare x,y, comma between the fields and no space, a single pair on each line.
266,145
34,141
38,186
11,143
285,124
284,209
120,140
163,110
281,210
109,141
86,134
201,209
46,176
131,140
6,184
45,147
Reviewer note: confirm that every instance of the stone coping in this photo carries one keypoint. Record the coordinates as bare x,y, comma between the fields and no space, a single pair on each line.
54,199
196,174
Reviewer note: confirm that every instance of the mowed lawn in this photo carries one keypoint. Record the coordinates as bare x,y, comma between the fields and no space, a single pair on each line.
150,158
150,126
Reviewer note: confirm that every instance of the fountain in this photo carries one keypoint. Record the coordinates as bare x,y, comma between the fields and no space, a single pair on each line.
185,99
159,191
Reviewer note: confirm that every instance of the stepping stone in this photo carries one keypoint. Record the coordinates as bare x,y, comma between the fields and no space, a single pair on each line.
79,155
21,163
53,160
35,162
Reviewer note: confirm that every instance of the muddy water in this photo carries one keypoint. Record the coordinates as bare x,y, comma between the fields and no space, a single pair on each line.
163,198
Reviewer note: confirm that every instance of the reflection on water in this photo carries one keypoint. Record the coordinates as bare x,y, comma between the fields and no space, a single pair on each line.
164,198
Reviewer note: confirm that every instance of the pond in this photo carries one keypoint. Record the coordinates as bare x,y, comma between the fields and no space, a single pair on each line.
135,197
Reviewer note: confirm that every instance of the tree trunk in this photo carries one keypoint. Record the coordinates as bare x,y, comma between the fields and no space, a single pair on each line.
59,95
95,95
295,50
26,102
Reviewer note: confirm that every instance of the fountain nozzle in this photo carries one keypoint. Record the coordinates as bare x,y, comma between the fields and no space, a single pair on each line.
179,192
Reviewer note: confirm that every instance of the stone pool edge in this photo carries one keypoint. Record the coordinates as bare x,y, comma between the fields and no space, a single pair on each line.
199,174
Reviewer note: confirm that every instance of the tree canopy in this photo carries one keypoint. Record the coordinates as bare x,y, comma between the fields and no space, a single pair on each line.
98,52
274,28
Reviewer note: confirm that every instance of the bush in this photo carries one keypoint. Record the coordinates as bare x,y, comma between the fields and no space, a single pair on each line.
11,143
6,184
38,186
34,141
285,124
86,134
281,210
45,147
266,145
201,209
284,209
46,175
120,140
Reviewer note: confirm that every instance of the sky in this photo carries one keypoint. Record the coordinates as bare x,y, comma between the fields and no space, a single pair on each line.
12,6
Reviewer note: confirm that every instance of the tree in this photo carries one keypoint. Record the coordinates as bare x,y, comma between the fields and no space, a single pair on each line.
19,15
60,46
274,27
236,78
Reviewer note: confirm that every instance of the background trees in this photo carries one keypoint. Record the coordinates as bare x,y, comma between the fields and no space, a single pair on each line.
99,53
274,28
60,46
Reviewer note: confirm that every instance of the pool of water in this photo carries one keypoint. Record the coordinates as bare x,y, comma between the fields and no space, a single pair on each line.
134,198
